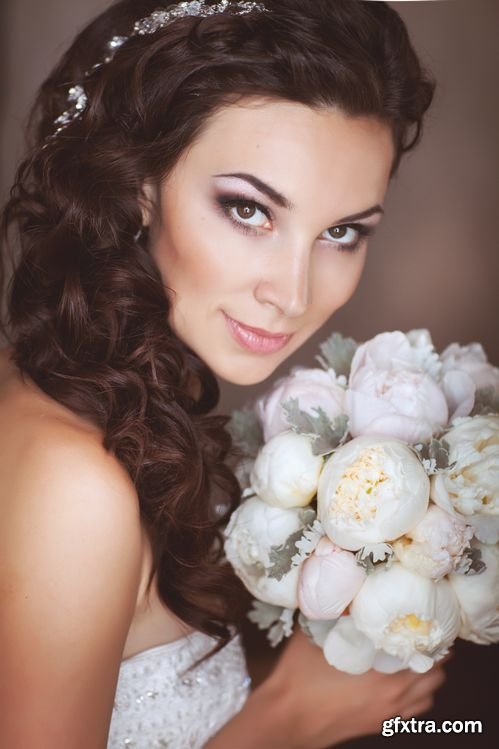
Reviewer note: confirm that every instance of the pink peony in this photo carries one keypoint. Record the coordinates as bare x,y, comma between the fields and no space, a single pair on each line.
312,388
329,580
393,388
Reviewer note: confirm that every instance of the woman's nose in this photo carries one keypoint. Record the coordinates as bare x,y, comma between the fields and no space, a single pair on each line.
286,283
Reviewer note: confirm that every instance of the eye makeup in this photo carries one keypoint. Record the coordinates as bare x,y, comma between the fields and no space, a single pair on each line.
227,201
235,200
363,232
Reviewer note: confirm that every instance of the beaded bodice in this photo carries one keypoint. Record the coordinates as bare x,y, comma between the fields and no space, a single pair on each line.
158,704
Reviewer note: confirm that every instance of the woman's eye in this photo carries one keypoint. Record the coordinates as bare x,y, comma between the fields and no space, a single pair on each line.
347,237
248,213
245,213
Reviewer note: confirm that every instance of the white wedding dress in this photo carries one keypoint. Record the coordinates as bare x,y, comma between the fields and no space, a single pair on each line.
158,705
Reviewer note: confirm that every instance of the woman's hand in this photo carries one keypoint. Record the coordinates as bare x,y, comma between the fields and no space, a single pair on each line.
320,706
307,704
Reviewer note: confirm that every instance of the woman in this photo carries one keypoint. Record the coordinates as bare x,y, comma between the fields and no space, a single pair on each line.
197,203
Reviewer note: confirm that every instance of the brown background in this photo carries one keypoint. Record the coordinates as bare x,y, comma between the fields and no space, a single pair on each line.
434,263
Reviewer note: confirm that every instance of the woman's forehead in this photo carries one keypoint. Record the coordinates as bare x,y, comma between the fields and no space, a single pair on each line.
292,146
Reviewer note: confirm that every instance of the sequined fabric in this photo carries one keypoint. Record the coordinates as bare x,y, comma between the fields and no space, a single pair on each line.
157,705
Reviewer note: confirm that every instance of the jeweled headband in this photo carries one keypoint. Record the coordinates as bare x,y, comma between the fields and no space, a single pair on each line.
77,98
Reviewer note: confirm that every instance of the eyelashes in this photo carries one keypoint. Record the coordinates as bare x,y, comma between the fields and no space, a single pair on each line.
362,231
227,203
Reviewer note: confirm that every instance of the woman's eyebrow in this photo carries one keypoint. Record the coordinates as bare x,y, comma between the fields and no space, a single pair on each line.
283,202
263,187
363,214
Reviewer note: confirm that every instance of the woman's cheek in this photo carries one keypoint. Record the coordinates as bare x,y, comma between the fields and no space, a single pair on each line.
336,279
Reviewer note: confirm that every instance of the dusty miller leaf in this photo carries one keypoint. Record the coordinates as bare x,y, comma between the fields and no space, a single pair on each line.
264,614
372,556
304,422
434,455
281,556
337,353
277,620
282,628
378,552
326,435
307,544
307,517
474,563
246,432
486,402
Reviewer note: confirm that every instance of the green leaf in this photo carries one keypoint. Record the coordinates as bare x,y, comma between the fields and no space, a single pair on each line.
337,353
326,435
486,402
246,431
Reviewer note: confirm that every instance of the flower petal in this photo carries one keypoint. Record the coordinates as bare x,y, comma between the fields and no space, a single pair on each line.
347,649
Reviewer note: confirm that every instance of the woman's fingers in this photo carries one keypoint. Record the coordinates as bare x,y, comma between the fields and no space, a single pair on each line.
424,685
417,708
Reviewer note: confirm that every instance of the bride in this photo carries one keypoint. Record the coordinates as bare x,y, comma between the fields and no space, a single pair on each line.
197,202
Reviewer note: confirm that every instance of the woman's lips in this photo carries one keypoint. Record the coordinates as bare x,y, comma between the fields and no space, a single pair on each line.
255,339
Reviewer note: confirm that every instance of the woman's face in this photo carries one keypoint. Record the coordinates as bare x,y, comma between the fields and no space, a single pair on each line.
261,230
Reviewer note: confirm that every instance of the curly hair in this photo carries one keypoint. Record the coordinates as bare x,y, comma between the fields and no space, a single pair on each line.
87,309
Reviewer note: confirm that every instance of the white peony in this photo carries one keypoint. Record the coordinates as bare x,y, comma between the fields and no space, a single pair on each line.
372,489
471,487
286,472
251,532
478,596
409,617
435,546
312,387
393,388
348,649
329,580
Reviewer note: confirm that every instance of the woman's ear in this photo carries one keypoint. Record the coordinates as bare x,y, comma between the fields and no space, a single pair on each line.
147,202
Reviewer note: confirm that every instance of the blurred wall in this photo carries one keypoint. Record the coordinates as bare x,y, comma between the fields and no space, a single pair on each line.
435,261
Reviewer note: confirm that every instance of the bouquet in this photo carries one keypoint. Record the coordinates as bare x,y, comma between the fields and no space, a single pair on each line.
370,507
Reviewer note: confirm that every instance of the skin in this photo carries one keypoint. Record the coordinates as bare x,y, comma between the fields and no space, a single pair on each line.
291,271
75,558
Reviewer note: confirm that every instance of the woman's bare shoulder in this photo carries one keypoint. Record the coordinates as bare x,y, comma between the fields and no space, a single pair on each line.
42,440
71,544
59,483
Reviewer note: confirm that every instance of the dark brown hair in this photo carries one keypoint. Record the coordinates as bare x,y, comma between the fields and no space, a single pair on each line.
87,309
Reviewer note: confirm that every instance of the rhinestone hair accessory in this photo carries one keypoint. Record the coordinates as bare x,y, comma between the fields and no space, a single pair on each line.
157,20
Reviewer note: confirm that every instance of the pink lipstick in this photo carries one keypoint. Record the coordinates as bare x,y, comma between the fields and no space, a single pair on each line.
255,339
